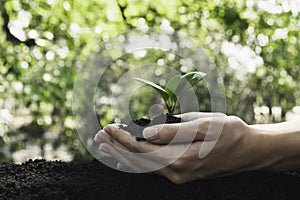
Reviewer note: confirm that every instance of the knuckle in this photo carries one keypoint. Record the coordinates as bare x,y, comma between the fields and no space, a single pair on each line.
219,114
233,118
177,165
205,125
137,147
134,148
176,179
234,121
130,146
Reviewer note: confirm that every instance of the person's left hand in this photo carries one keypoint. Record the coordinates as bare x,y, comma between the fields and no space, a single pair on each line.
121,146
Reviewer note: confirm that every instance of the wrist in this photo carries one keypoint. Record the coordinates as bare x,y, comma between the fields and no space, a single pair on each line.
261,151
277,146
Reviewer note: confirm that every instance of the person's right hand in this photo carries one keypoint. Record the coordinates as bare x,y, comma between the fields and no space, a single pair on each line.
227,144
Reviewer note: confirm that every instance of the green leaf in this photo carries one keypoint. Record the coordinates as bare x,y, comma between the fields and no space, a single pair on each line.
174,87
189,80
173,83
194,77
164,94
171,86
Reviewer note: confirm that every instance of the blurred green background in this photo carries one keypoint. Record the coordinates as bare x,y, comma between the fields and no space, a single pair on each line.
255,45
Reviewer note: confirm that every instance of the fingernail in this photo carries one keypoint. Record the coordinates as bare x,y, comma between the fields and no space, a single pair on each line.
150,133
107,130
96,138
103,148
99,137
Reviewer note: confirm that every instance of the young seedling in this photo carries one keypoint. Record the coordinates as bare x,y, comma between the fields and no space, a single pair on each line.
174,88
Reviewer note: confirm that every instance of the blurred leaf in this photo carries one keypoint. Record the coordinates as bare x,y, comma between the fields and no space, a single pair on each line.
164,94
189,80
173,83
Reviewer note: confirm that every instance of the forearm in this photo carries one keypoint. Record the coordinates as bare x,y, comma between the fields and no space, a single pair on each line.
281,143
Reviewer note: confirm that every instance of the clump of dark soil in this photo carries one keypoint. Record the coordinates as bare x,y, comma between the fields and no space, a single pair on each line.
136,127
40,179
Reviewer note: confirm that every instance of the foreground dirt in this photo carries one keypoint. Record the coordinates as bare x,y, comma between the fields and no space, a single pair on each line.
40,179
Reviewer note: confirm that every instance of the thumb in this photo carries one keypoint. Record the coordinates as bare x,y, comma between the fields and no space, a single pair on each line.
165,133
160,134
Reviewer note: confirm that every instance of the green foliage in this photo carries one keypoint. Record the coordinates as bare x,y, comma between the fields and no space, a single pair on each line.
175,87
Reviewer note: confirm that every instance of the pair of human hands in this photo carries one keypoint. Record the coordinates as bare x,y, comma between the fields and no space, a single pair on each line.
206,145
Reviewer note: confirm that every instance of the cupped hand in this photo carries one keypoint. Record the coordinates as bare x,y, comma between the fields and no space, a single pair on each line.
221,145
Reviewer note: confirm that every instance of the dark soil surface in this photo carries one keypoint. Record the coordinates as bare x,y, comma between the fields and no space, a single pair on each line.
40,179
136,127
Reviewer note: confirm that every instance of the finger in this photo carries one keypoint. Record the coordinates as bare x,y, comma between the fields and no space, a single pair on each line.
158,153
134,161
129,142
102,137
125,167
185,132
99,136
106,148
190,116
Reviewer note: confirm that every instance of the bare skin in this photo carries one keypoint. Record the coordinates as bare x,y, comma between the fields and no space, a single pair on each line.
239,147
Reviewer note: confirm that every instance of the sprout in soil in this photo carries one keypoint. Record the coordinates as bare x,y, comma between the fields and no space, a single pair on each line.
174,88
